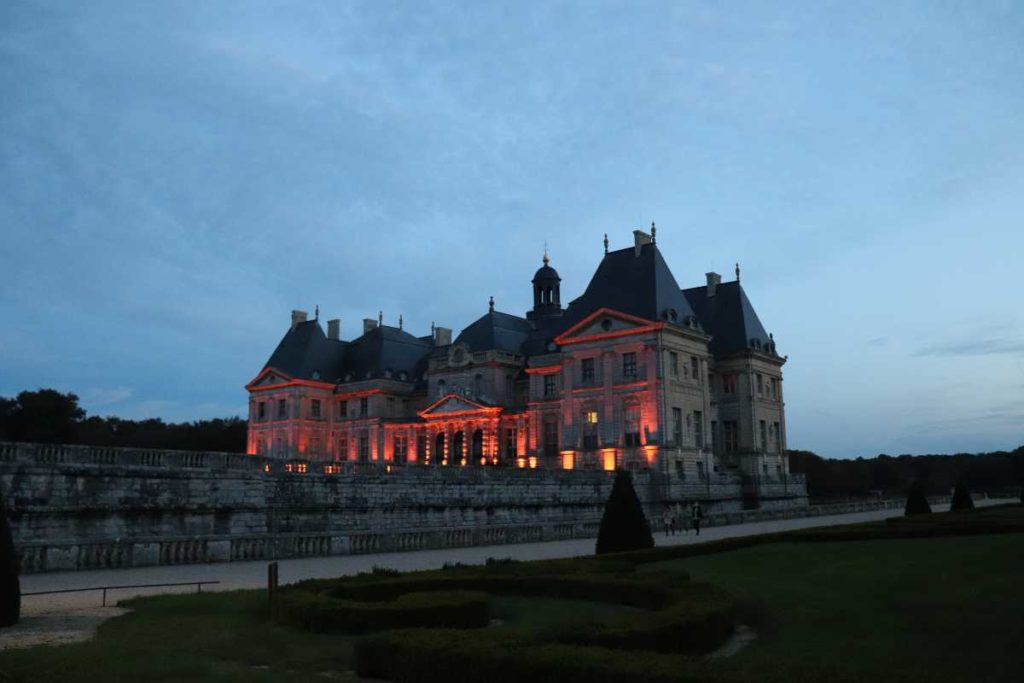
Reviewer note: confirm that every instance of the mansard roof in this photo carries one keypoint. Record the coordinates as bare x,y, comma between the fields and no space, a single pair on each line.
730,318
496,330
305,352
639,284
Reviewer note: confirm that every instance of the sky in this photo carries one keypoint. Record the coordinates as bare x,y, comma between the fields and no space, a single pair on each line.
175,178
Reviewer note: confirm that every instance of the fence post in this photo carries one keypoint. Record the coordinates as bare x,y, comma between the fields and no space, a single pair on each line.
271,581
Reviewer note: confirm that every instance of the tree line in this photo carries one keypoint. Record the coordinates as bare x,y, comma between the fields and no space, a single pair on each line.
49,416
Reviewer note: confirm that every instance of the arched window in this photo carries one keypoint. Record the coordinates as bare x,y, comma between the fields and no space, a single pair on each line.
631,423
438,456
590,427
458,454
478,446
441,388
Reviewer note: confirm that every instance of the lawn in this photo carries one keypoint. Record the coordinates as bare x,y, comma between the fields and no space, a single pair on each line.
921,609
939,609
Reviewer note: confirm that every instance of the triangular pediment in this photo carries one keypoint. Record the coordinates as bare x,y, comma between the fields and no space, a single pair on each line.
268,377
605,322
454,403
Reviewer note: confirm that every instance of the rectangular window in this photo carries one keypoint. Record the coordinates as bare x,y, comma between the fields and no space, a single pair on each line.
314,408
342,408
364,407
391,406
314,447
731,436
421,448
631,424
778,438
729,383
673,363
677,426
342,454
282,409
364,445
698,429
261,410
759,379
549,386
695,369
714,436
589,376
590,430
764,435
509,386
401,452
551,439
629,365
773,385
511,442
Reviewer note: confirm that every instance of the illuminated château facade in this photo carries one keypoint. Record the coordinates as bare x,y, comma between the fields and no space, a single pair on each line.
634,373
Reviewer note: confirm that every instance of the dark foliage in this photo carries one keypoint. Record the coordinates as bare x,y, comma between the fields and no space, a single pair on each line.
917,502
887,475
961,498
624,526
48,416
10,586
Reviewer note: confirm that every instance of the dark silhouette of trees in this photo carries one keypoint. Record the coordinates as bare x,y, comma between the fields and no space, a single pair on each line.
48,416
961,498
917,503
623,525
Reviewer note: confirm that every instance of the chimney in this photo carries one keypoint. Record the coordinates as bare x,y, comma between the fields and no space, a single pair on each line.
298,317
714,279
369,324
442,336
334,329
640,238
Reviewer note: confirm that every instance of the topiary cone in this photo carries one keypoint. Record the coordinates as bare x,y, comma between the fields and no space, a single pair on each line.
917,503
623,526
961,498
10,587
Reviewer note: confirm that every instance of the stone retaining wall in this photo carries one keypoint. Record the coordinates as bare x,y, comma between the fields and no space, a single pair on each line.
78,507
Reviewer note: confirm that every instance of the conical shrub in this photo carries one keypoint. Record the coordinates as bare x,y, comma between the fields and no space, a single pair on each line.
917,503
961,498
10,587
623,526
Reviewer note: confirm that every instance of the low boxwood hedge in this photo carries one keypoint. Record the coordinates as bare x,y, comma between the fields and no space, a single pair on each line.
321,613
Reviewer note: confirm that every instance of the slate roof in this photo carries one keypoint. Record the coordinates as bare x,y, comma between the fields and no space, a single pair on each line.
729,317
496,330
305,352
640,285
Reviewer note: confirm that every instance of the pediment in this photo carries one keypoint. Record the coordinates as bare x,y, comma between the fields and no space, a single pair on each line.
268,377
454,403
605,323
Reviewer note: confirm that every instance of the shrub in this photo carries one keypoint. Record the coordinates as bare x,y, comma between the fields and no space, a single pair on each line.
322,613
10,586
961,498
624,526
917,502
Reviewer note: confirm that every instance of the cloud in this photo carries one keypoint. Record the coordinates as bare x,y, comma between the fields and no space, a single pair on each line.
105,396
975,347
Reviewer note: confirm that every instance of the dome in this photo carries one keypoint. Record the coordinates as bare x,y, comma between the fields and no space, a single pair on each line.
546,273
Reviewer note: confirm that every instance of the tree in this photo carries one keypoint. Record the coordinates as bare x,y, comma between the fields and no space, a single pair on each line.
917,502
10,587
45,416
961,498
623,526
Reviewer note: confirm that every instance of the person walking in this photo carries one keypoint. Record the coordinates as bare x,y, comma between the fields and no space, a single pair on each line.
666,519
695,516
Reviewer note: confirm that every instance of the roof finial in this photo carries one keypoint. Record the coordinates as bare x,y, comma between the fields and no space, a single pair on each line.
606,243
546,260
316,313
399,321
654,234
380,317
490,304
737,271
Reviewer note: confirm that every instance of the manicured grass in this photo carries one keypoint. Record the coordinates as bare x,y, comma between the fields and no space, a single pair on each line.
208,637
520,612
938,609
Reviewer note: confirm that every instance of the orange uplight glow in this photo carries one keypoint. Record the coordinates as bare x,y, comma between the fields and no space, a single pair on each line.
520,462
567,459
609,459
533,462
266,468
651,452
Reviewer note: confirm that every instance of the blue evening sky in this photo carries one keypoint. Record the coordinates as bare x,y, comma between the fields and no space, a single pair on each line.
176,177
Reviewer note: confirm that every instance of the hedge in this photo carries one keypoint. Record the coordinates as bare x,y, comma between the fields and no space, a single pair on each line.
321,613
